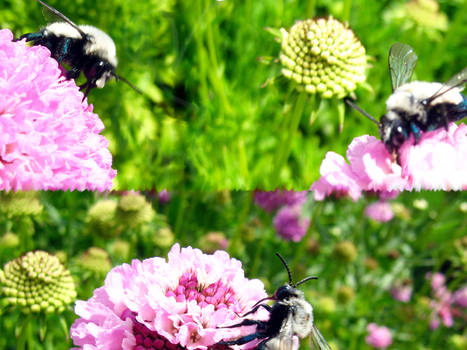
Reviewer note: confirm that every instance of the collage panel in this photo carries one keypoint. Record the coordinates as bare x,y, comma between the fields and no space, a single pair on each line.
233,175
176,270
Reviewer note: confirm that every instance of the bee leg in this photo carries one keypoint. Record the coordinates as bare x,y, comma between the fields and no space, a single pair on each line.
261,345
73,73
30,36
252,311
242,340
247,322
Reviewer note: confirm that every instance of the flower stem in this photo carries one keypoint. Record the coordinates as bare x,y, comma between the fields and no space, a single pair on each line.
293,120
346,10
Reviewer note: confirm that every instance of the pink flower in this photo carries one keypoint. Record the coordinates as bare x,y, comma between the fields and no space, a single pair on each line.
164,196
290,223
173,304
271,200
380,211
49,138
441,305
402,292
379,337
437,162
460,297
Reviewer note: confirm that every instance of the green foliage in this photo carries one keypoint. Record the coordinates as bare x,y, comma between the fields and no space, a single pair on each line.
207,121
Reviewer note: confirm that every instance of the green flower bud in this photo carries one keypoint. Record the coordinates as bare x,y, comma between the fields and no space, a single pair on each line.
120,249
371,264
345,294
458,341
345,251
213,241
164,237
323,56
9,240
425,13
326,305
134,210
95,260
20,203
420,204
102,220
37,282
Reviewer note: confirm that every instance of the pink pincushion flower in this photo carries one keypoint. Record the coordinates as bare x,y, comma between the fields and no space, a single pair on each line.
271,200
290,223
380,211
173,304
437,162
379,337
49,138
460,297
402,292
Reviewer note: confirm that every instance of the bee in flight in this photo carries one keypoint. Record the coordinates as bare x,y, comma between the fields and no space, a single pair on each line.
290,316
84,48
417,106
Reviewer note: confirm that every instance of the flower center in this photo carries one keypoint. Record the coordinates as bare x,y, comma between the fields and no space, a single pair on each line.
217,294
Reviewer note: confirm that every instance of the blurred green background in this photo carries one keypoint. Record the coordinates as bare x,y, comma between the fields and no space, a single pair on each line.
206,122
358,260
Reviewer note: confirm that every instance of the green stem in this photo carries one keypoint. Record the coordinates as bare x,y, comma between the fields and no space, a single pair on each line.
346,10
293,119
310,8
24,334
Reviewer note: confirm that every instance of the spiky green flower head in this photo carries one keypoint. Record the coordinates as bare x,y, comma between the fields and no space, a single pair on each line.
134,210
345,251
323,56
36,282
95,260
102,219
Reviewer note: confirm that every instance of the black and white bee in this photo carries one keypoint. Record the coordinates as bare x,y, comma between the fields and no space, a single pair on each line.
290,315
416,107
84,48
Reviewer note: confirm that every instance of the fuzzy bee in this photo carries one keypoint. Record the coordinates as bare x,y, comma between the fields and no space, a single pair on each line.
290,316
84,48
417,106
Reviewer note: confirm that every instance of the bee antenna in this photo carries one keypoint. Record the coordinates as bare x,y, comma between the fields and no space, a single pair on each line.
119,77
354,106
305,280
286,266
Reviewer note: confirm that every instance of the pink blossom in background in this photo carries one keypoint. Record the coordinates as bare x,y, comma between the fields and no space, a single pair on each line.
379,211
460,297
173,304
163,196
441,304
49,138
378,337
437,162
290,223
271,200
402,292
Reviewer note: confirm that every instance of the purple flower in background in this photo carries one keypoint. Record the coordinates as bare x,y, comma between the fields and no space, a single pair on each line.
163,196
380,211
460,297
378,337
290,223
436,162
441,305
174,304
49,137
402,291
271,200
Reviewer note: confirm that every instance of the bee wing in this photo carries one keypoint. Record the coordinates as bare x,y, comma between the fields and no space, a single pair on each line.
317,340
52,14
285,337
456,81
402,61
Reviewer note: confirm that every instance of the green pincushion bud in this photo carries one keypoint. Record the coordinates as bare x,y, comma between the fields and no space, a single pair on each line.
37,282
345,251
164,237
323,56
213,241
95,260
102,220
134,210
21,203
9,240
345,294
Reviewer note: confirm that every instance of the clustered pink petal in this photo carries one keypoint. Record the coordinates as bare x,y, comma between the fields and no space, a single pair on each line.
173,304
271,200
290,223
460,297
378,337
402,292
379,211
49,138
436,162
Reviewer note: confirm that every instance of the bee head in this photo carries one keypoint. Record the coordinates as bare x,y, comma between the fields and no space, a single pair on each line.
393,131
101,72
285,292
